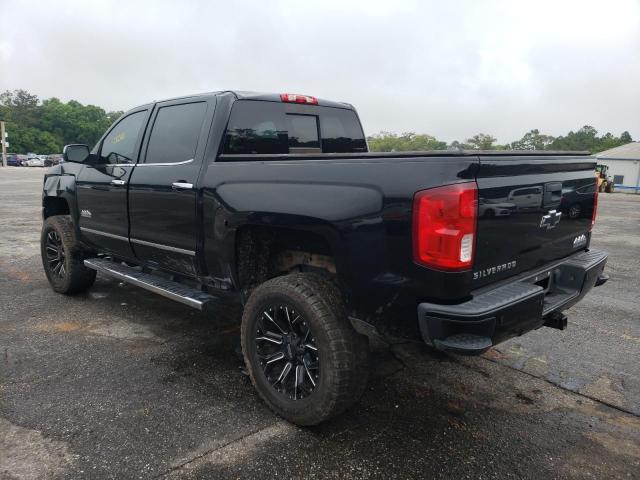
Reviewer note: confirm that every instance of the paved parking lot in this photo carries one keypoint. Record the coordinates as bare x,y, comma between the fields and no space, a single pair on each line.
119,383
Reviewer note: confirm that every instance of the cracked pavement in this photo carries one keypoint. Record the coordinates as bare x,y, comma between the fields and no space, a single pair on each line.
120,383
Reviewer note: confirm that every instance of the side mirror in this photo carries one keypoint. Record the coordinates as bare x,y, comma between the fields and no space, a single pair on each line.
76,152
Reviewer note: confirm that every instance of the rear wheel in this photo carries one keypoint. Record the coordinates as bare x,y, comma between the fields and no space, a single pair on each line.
303,356
62,256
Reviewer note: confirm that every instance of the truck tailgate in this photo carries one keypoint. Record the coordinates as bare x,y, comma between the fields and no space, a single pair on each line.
532,210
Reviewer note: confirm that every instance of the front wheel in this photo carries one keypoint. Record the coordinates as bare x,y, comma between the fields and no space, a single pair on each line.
62,256
304,358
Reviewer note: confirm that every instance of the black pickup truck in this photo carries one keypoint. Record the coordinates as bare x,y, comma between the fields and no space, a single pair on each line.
274,201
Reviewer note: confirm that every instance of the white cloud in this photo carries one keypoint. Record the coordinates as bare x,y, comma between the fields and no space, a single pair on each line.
450,69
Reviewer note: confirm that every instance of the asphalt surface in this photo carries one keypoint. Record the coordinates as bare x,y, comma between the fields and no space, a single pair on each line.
120,383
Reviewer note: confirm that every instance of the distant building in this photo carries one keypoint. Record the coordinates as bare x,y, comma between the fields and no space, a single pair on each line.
624,166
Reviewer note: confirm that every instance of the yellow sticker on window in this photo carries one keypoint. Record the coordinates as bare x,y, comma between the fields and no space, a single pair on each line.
119,137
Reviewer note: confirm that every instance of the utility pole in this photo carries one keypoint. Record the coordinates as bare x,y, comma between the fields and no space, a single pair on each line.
3,140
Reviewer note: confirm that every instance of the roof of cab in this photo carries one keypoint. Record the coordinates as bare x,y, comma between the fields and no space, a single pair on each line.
244,95
275,97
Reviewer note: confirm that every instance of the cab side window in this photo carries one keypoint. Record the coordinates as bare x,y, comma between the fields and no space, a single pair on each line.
119,145
256,128
174,137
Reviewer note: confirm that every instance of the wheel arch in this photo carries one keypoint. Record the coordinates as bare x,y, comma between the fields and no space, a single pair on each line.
299,216
262,252
54,206
59,197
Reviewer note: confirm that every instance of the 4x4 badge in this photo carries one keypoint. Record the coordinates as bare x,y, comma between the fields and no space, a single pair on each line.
579,241
550,220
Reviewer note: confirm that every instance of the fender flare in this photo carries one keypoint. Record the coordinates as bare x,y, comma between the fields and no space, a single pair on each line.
64,187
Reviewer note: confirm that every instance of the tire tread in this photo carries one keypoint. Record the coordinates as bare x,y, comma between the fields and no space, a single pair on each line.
79,278
347,350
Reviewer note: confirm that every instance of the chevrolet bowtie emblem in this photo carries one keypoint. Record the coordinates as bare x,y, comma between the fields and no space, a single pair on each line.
550,220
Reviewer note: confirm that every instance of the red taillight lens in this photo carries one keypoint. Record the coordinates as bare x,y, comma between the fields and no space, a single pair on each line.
595,203
444,226
297,98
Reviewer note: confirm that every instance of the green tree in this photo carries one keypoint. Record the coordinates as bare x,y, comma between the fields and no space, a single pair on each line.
456,145
532,140
409,141
74,122
587,139
583,139
28,139
481,141
44,127
20,107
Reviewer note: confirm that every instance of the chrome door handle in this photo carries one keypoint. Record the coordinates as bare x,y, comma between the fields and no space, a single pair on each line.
118,183
182,186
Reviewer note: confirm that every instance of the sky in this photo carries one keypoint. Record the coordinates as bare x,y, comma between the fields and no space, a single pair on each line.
449,69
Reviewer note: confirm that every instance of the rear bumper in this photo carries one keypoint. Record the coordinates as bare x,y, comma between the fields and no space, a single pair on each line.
512,309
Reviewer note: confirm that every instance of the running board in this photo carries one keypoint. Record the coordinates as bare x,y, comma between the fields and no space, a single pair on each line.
167,288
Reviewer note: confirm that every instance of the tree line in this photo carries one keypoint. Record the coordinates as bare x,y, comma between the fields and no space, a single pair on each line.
585,138
46,126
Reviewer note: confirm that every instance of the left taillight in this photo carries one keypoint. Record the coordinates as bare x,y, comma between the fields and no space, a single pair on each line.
444,226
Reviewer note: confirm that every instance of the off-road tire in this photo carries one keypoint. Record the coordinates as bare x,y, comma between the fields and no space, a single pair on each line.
343,354
76,277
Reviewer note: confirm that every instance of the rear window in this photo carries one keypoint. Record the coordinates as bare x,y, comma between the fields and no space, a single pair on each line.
303,133
258,127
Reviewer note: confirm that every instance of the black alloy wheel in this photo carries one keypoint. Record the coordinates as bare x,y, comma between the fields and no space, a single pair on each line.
303,355
287,350
63,256
55,254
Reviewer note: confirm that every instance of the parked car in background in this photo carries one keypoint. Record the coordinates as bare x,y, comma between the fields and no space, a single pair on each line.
53,159
528,198
12,160
22,159
495,209
35,162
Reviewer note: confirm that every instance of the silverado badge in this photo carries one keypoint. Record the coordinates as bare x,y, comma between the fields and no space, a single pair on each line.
486,272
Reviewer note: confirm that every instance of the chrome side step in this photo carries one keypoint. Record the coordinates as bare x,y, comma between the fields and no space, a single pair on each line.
167,288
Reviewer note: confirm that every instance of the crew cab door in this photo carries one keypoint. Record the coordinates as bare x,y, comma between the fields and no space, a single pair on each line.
102,186
162,189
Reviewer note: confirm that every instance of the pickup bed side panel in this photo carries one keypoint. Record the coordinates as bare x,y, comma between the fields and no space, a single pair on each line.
361,207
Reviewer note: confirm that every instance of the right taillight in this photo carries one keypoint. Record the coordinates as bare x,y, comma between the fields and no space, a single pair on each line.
595,203
444,226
